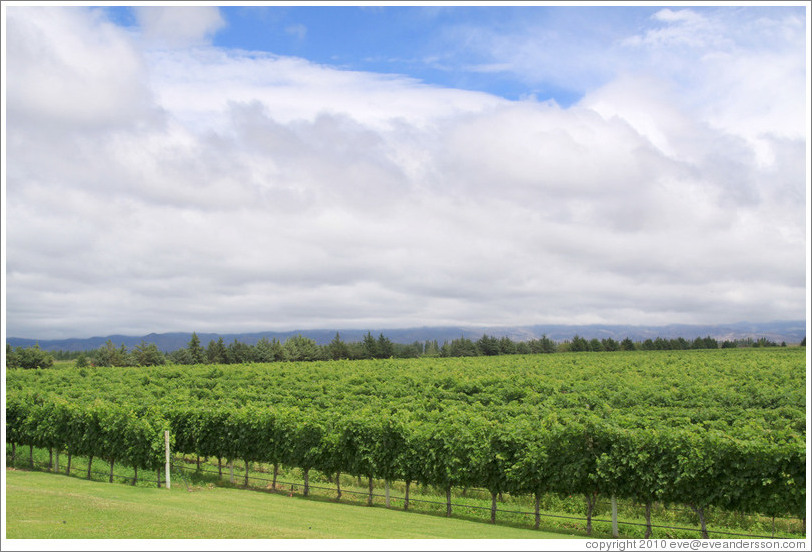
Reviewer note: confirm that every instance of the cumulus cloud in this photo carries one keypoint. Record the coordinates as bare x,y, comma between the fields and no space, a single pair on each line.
72,69
739,71
178,26
230,190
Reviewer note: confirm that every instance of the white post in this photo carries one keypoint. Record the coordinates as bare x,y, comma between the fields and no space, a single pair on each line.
166,439
615,533
231,469
387,493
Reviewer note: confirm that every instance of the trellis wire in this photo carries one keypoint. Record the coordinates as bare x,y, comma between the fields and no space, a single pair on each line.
521,512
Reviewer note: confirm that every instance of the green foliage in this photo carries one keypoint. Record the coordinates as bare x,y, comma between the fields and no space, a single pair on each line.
385,348
196,352
359,438
300,348
462,347
98,429
216,352
578,344
109,355
239,353
29,358
722,428
337,349
488,345
180,356
268,351
148,354
369,347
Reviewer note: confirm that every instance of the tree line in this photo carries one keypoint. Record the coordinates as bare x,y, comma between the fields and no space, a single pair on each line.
301,348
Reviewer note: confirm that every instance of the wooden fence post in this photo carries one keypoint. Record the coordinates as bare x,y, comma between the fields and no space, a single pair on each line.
166,439
615,532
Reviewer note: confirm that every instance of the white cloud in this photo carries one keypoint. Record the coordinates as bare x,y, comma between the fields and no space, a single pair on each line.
299,31
683,28
292,89
72,69
178,27
261,192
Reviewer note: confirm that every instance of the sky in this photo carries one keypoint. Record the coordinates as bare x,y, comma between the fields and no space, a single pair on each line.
226,168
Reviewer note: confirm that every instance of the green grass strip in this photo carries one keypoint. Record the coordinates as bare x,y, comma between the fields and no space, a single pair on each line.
52,506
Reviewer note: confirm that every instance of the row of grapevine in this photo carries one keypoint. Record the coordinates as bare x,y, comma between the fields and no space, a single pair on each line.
733,391
729,426
532,456
101,429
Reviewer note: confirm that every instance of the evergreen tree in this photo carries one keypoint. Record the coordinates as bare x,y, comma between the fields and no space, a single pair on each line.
107,355
126,357
181,356
413,350
216,352
302,348
196,351
579,344
337,349
462,347
385,347
278,350
506,346
547,344
239,353
431,349
148,354
487,345
711,343
12,359
680,344
369,347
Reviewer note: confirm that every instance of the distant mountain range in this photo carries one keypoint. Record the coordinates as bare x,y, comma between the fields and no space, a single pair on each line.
792,332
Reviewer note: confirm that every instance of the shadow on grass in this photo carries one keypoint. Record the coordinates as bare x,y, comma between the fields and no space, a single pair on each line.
295,491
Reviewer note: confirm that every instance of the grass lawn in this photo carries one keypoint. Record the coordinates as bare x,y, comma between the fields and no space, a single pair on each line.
53,506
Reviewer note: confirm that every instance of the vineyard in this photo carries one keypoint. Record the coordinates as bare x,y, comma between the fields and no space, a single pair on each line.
721,429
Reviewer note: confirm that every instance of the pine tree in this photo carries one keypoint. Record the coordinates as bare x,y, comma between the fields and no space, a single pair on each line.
337,349
216,352
385,347
369,347
196,351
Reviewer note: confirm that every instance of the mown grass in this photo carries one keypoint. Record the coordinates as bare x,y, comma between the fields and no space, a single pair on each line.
560,515
564,514
54,506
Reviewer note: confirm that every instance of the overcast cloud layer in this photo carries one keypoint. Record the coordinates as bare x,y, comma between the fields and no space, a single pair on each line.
157,183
